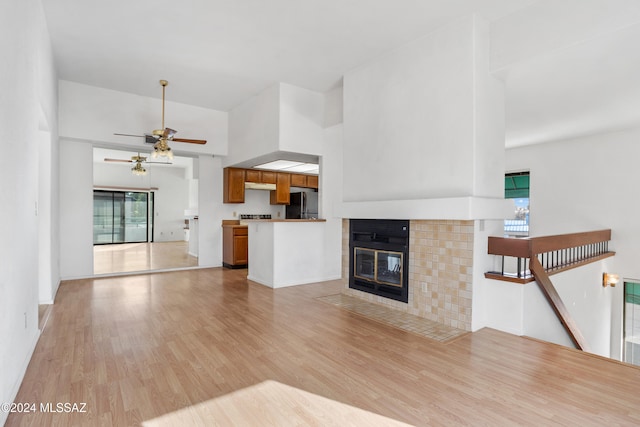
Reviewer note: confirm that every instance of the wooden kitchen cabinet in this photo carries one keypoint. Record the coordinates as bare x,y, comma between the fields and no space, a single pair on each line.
260,177
304,181
312,181
234,179
280,196
252,175
298,180
235,246
268,177
233,185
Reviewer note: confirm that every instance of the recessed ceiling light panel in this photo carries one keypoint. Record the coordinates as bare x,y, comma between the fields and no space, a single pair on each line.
305,168
290,166
278,165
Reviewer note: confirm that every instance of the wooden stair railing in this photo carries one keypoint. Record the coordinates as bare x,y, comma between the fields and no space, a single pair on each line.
556,253
539,257
549,291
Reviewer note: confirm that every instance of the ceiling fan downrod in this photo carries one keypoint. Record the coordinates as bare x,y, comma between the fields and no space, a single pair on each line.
164,84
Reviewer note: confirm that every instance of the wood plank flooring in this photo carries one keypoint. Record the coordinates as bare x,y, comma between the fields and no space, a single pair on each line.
135,348
132,257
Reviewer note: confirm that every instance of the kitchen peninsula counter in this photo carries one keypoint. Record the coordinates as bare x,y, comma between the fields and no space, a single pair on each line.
286,252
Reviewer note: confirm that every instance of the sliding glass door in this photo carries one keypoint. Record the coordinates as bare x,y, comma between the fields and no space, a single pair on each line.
121,217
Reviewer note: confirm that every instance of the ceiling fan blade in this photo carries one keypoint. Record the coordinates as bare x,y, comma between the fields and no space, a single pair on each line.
117,160
190,141
168,133
150,139
127,134
160,163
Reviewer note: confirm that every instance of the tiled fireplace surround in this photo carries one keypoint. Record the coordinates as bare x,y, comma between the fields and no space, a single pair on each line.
440,272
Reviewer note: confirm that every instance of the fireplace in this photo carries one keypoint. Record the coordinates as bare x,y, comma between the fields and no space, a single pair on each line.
379,257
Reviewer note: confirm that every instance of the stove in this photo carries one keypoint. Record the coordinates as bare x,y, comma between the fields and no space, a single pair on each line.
255,216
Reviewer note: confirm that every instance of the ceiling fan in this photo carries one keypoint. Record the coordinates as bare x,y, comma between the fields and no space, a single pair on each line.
161,137
137,169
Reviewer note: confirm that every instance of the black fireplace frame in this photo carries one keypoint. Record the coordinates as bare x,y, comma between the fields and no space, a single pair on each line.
390,235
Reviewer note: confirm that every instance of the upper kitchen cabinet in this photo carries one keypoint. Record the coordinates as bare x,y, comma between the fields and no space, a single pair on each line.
304,181
298,180
312,181
233,185
280,196
252,175
235,178
259,177
268,177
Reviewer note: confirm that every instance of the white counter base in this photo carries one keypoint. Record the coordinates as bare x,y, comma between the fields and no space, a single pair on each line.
284,253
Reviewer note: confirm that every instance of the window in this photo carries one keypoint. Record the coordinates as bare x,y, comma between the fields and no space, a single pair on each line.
516,187
631,338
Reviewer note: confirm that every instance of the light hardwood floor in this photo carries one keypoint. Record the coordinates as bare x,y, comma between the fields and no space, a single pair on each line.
138,347
131,257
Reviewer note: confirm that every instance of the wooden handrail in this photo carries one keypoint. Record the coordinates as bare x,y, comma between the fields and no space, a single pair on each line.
555,253
530,246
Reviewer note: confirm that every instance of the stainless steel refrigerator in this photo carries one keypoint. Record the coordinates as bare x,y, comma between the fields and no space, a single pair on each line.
302,205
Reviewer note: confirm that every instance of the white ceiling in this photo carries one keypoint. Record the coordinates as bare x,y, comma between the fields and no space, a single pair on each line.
570,66
218,53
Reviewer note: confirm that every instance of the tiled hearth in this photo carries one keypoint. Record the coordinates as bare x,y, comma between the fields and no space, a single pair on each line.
440,272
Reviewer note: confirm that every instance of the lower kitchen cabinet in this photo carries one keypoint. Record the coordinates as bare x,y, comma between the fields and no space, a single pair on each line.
235,246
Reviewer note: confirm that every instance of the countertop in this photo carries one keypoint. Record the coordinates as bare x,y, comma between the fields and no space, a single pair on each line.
234,223
244,221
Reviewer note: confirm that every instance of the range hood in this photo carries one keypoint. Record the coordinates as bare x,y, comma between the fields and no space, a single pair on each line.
259,186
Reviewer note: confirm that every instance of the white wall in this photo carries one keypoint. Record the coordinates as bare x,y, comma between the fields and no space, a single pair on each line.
281,118
588,302
411,120
254,127
330,199
588,184
301,120
333,106
29,101
76,209
94,114
209,197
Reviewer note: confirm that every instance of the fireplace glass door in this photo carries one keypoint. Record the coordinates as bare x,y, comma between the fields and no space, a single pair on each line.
378,266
